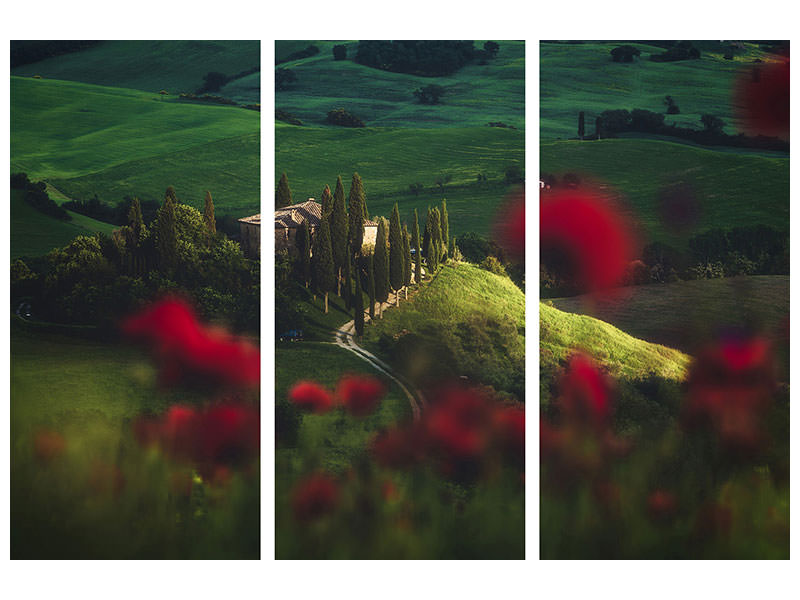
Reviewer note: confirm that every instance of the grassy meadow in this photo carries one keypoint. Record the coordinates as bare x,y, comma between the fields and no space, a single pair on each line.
582,77
404,142
34,233
150,66
86,139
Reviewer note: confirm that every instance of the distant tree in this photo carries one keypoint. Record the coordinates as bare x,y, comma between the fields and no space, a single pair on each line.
339,233
445,226
406,259
208,215
381,264
339,52
283,77
343,118
430,258
597,123
395,253
322,261
166,236
303,243
213,82
624,53
426,236
415,241
646,120
136,221
327,201
358,304
492,48
415,188
581,125
672,108
615,121
430,94
435,227
283,195
371,284
356,205
712,123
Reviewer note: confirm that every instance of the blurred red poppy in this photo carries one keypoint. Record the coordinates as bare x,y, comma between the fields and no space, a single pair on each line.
585,392
48,444
189,349
399,447
762,97
584,240
509,426
661,505
314,497
458,424
311,396
730,389
360,394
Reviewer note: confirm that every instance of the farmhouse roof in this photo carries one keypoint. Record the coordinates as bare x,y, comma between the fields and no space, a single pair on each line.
292,216
255,220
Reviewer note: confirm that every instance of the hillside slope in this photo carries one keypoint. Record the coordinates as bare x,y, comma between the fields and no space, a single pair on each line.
466,322
561,334
150,65
734,189
115,142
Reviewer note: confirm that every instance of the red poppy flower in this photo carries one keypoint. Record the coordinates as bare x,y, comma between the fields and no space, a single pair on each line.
48,445
311,396
360,394
661,505
458,424
762,97
509,227
399,447
730,390
188,348
584,239
509,425
585,392
314,497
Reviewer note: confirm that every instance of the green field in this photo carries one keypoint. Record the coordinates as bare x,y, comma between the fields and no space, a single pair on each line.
582,77
389,160
474,96
466,322
562,333
685,313
34,233
734,189
150,65
86,139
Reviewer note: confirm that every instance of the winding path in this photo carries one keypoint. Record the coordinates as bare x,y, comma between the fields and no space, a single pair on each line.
345,338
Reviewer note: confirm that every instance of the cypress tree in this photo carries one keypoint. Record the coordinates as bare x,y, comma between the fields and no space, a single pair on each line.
136,221
208,215
322,262
452,251
417,254
303,243
381,265
445,226
167,234
597,122
356,207
581,125
395,253
339,233
427,235
436,235
406,259
348,286
359,304
326,201
371,284
283,195
430,260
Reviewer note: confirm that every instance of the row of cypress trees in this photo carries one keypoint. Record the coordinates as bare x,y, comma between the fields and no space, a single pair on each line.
335,253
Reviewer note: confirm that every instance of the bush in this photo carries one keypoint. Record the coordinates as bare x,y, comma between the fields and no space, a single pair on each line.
213,82
491,264
343,118
473,247
306,52
283,77
282,115
430,94
624,53
339,52
428,58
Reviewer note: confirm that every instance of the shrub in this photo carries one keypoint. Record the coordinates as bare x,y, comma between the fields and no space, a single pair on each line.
343,118
339,52
624,53
283,77
430,94
491,264
213,82
282,115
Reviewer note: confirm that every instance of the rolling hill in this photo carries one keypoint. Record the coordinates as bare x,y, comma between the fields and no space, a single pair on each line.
86,139
150,65
404,142
734,189
624,356
582,77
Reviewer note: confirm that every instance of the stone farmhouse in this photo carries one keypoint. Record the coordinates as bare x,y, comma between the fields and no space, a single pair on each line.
289,219
250,233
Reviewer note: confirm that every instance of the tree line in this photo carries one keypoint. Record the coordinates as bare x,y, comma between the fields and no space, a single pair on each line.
336,259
